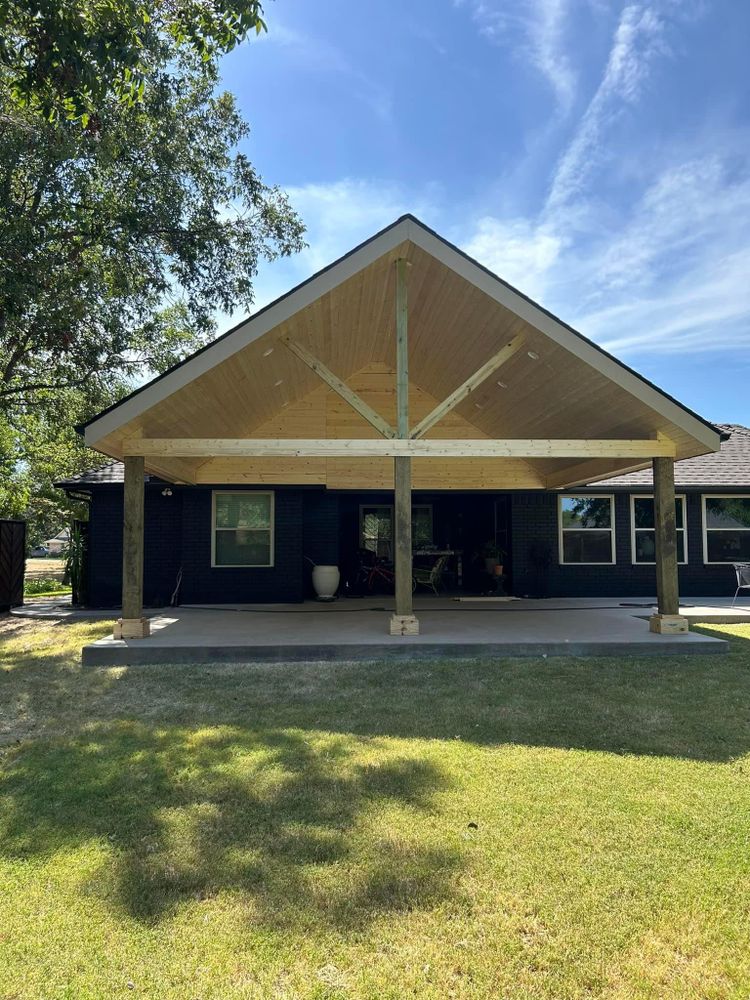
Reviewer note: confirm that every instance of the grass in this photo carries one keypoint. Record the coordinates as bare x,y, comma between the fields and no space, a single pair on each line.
41,587
561,828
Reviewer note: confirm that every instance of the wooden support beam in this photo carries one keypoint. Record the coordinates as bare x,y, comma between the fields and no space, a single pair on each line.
396,448
467,387
132,625
668,617
340,387
583,473
403,622
402,537
402,349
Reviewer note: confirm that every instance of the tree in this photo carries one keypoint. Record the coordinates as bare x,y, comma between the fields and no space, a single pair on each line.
118,246
66,59
119,243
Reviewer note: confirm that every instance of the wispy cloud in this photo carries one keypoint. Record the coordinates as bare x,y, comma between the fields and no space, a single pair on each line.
520,251
319,55
534,30
661,267
639,39
338,216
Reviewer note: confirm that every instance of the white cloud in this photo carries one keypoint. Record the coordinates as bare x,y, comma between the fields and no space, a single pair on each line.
672,277
638,39
534,30
517,250
662,268
338,216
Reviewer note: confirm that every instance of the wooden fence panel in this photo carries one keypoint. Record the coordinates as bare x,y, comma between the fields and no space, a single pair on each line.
12,563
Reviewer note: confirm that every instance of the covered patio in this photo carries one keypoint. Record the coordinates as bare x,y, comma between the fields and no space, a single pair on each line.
403,366
356,630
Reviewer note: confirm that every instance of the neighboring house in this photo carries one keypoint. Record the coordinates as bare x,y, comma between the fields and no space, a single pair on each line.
280,443
713,498
57,545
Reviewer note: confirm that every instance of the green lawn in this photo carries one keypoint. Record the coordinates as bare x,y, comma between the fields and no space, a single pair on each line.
523,828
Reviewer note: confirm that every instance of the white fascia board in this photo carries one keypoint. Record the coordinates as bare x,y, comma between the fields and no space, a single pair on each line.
246,333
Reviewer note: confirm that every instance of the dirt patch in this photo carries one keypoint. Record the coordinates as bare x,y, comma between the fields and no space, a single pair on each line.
45,569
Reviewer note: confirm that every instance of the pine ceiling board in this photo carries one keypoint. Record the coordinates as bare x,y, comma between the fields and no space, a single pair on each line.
454,328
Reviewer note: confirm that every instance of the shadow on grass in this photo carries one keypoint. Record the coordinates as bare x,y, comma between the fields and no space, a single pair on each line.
265,779
191,812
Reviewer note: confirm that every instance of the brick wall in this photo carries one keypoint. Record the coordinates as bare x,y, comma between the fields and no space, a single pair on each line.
162,539
204,584
324,526
320,529
534,522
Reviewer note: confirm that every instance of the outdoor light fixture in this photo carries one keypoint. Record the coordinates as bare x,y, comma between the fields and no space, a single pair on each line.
277,384
503,385
266,353
533,355
166,492
478,406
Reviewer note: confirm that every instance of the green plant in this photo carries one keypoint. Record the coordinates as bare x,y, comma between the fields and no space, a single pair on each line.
44,586
491,550
75,563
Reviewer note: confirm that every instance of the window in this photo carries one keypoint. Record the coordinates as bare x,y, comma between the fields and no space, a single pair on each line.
586,530
242,532
643,532
376,528
726,529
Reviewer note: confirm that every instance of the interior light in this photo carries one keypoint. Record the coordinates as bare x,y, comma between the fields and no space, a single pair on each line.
533,355
277,384
503,385
478,406
267,352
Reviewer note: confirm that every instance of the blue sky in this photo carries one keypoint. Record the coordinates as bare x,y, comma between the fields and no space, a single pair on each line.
594,153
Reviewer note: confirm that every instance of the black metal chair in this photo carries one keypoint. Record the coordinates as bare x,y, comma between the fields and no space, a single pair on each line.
743,578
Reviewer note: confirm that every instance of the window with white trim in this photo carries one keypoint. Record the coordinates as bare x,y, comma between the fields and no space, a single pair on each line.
587,529
726,529
242,529
643,529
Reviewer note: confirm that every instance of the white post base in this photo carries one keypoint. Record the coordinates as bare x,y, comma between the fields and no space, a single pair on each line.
668,624
132,628
404,625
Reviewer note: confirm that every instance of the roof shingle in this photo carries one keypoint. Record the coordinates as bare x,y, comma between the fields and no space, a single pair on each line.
728,467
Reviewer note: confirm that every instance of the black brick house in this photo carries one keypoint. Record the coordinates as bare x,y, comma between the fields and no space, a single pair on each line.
406,403
323,526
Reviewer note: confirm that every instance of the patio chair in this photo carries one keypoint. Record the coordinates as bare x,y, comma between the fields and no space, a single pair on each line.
429,576
743,578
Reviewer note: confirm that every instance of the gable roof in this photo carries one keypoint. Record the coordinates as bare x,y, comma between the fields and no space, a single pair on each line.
460,314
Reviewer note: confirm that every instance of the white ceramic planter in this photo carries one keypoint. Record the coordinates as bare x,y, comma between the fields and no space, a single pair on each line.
325,580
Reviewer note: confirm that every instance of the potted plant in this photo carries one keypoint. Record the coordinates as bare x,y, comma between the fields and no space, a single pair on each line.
493,558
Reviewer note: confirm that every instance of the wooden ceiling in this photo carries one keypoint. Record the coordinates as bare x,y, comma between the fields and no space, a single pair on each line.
557,386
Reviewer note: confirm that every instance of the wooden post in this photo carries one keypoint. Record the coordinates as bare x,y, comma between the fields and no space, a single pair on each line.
132,625
668,618
403,622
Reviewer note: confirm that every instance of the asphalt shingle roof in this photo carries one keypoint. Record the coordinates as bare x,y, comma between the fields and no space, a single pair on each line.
111,473
728,467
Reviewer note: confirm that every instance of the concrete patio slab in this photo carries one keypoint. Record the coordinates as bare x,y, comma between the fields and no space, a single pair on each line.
358,629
